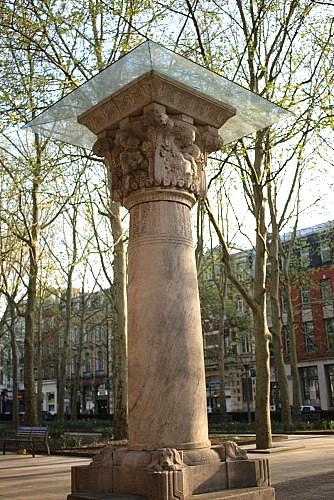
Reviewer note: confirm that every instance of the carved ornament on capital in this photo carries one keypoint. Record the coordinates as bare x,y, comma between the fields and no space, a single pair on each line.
156,150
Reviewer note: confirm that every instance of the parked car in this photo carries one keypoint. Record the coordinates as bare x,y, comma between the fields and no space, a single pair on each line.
307,408
47,416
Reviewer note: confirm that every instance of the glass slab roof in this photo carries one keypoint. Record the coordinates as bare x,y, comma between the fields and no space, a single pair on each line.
59,121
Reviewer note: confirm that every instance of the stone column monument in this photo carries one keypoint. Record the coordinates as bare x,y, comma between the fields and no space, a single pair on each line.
155,117
157,155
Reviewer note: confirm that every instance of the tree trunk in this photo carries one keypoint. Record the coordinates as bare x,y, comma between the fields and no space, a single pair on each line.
79,352
290,326
64,345
221,349
257,303
29,346
64,348
276,326
39,363
262,335
120,361
29,338
293,350
14,364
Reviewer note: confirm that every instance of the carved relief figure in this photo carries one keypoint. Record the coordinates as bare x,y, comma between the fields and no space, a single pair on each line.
133,163
105,457
189,150
166,459
185,137
172,161
157,149
234,452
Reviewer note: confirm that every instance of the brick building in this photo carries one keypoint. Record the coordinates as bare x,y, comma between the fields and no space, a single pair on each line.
312,299
312,273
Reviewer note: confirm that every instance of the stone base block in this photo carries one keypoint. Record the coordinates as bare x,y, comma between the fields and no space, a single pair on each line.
169,474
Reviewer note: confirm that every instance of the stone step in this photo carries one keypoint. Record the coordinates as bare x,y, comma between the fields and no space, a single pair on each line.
266,493
104,496
237,494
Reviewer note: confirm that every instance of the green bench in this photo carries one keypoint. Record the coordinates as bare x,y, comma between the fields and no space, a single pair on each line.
30,435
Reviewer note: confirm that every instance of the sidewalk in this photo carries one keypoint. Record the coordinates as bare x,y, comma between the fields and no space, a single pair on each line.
41,478
303,471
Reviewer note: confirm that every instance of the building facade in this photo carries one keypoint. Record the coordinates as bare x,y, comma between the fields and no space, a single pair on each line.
313,305
312,285
89,355
234,335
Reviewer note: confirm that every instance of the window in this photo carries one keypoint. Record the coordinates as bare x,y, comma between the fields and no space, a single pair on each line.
99,361
310,385
211,339
286,335
309,336
326,291
304,255
86,335
329,330
86,367
240,305
284,304
211,358
247,389
246,345
49,323
75,335
305,298
329,369
268,306
73,366
226,339
325,252
99,332
240,270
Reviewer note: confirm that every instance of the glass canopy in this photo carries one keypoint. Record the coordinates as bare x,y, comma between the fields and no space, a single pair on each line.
59,121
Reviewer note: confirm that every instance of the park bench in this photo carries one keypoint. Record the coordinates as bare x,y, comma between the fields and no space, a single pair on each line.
30,435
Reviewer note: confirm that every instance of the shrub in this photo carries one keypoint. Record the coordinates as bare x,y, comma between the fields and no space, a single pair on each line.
107,433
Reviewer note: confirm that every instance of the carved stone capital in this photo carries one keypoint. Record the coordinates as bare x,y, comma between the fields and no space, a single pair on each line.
156,88
156,150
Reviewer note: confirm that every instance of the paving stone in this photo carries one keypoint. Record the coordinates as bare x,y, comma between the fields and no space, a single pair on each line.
319,487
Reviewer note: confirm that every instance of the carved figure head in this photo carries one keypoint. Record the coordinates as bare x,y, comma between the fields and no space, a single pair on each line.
132,143
185,134
234,452
166,459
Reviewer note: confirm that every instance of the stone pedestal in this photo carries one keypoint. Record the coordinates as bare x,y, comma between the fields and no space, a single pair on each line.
168,474
155,136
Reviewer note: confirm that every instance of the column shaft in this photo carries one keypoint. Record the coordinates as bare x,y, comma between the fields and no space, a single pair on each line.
167,398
